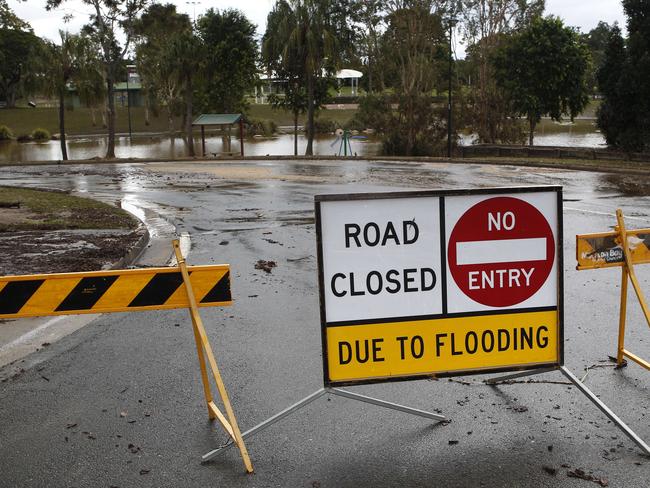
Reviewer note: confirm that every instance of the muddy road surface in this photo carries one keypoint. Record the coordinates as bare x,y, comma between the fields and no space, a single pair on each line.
119,402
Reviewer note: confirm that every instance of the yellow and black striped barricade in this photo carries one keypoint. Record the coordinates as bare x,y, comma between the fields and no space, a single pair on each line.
129,291
623,248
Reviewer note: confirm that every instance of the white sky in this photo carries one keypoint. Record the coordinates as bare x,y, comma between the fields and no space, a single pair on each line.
584,14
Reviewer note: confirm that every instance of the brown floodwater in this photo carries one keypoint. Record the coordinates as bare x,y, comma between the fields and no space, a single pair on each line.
164,147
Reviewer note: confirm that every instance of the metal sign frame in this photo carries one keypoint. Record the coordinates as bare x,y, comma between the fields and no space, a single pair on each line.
319,199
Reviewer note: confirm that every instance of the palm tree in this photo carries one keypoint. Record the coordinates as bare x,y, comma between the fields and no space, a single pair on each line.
182,60
61,65
309,42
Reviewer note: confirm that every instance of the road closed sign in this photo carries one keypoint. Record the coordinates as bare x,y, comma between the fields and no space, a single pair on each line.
417,284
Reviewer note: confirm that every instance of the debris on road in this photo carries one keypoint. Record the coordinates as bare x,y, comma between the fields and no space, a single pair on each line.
266,266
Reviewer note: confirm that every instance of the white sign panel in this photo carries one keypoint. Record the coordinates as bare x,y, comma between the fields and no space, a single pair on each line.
381,258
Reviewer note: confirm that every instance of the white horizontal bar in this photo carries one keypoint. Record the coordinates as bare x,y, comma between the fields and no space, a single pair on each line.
501,251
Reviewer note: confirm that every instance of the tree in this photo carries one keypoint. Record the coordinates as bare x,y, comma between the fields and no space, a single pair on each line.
109,17
485,24
370,22
623,81
597,40
415,39
614,113
310,49
20,55
542,70
67,65
9,20
155,32
230,51
183,60
284,63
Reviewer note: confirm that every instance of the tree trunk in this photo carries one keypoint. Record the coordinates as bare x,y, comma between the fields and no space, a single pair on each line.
531,134
170,122
295,133
146,111
310,117
93,116
110,108
64,149
188,116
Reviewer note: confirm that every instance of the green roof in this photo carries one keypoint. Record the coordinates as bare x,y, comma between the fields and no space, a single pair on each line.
217,119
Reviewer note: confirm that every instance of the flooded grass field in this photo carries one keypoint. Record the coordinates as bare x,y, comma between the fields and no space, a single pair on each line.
164,147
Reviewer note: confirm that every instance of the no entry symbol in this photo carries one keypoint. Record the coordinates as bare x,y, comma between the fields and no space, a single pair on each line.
501,251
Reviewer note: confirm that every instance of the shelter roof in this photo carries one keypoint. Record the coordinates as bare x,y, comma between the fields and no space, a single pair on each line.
217,119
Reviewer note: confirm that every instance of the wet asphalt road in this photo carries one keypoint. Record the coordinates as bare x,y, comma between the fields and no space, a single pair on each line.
119,402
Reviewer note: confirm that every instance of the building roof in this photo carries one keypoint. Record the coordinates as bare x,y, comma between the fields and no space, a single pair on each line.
133,85
217,119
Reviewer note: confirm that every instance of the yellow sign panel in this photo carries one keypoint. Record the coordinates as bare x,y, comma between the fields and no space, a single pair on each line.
604,250
111,291
427,347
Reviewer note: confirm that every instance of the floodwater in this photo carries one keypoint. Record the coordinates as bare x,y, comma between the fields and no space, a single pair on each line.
163,147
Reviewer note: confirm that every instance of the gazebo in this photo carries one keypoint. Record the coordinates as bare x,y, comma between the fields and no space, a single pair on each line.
220,120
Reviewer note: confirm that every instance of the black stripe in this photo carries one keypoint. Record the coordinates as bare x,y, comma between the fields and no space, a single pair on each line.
220,292
158,290
15,295
87,292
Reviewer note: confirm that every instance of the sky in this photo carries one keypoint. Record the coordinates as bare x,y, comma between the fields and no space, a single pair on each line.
583,14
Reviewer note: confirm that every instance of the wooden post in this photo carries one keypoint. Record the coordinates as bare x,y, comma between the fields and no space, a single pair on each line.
621,320
203,139
241,135
203,346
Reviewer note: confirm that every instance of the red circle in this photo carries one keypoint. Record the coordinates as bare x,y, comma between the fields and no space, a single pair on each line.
492,220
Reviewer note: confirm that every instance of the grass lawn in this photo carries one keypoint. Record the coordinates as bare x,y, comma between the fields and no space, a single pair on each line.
26,209
79,121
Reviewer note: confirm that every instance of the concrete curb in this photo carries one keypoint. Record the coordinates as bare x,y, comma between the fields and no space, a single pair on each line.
136,250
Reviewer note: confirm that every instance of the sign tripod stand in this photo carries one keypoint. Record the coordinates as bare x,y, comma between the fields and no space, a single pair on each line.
431,284
315,396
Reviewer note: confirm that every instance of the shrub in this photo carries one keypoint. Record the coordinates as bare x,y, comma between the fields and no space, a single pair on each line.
5,133
262,127
24,138
324,126
41,135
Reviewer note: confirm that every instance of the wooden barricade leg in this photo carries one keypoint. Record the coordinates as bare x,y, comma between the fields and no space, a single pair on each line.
628,269
203,346
622,316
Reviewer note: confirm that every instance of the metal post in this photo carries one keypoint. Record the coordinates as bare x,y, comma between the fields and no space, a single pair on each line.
605,409
128,103
449,94
241,135
267,423
385,404
499,379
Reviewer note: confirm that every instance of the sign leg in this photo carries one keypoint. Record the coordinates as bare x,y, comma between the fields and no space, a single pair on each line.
267,423
385,404
499,379
605,409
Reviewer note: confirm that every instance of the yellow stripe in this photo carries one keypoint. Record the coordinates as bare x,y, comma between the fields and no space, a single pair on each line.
202,283
49,296
380,349
123,291
3,284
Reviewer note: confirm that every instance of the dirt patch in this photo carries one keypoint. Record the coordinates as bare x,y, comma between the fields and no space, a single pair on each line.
54,232
37,252
53,210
